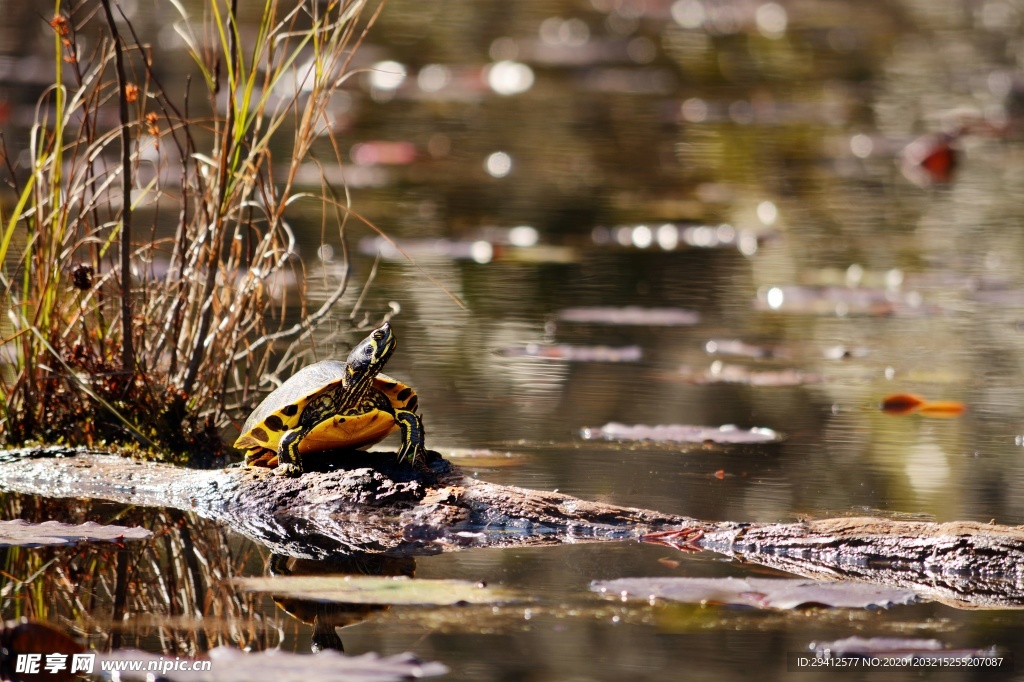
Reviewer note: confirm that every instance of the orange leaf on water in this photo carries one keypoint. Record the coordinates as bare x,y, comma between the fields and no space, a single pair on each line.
942,409
901,403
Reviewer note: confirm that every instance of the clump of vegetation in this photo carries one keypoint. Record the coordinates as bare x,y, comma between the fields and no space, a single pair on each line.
120,331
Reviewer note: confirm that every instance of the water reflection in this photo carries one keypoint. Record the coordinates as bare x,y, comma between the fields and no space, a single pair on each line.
326,617
171,594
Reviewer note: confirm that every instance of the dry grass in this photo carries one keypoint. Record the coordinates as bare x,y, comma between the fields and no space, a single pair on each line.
117,331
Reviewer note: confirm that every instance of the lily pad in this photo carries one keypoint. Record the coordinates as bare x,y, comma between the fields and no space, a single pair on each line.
631,315
22,533
377,590
575,353
760,593
230,665
682,433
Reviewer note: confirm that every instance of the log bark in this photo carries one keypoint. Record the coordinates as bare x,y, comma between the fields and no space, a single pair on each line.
376,505
961,563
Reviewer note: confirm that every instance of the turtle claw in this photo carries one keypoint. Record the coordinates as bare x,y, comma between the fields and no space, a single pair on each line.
685,539
287,470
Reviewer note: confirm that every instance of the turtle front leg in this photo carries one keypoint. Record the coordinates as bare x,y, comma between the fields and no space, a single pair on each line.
288,461
413,441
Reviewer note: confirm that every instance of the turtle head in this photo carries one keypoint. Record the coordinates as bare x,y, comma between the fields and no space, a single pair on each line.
368,358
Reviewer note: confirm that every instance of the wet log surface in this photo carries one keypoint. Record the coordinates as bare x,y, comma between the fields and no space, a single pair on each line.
372,505
961,563
375,505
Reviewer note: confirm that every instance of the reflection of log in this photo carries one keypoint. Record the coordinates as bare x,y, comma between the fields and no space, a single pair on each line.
376,506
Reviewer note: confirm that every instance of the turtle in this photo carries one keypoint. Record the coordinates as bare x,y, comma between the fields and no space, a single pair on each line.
332,404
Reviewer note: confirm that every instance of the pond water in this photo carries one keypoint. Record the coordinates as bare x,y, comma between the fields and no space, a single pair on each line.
745,161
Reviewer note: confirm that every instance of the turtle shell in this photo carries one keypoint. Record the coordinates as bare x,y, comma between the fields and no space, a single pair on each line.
280,411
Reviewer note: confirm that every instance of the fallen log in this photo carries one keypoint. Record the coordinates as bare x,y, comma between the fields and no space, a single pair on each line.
375,505
961,563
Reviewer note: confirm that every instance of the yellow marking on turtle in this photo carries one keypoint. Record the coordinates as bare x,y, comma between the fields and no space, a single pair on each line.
402,397
355,431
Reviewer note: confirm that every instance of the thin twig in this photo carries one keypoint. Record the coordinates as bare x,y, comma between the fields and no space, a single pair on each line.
127,347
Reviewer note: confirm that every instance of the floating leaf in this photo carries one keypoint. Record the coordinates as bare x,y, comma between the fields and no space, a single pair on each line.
631,315
761,593
721,373
377,590
942,409
575,353
742,349
871,645
482,457
232,665
682,433
384,152
482,250
902,648
900,404
21,532
539,253
931,159
841,301
841,352
669,236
